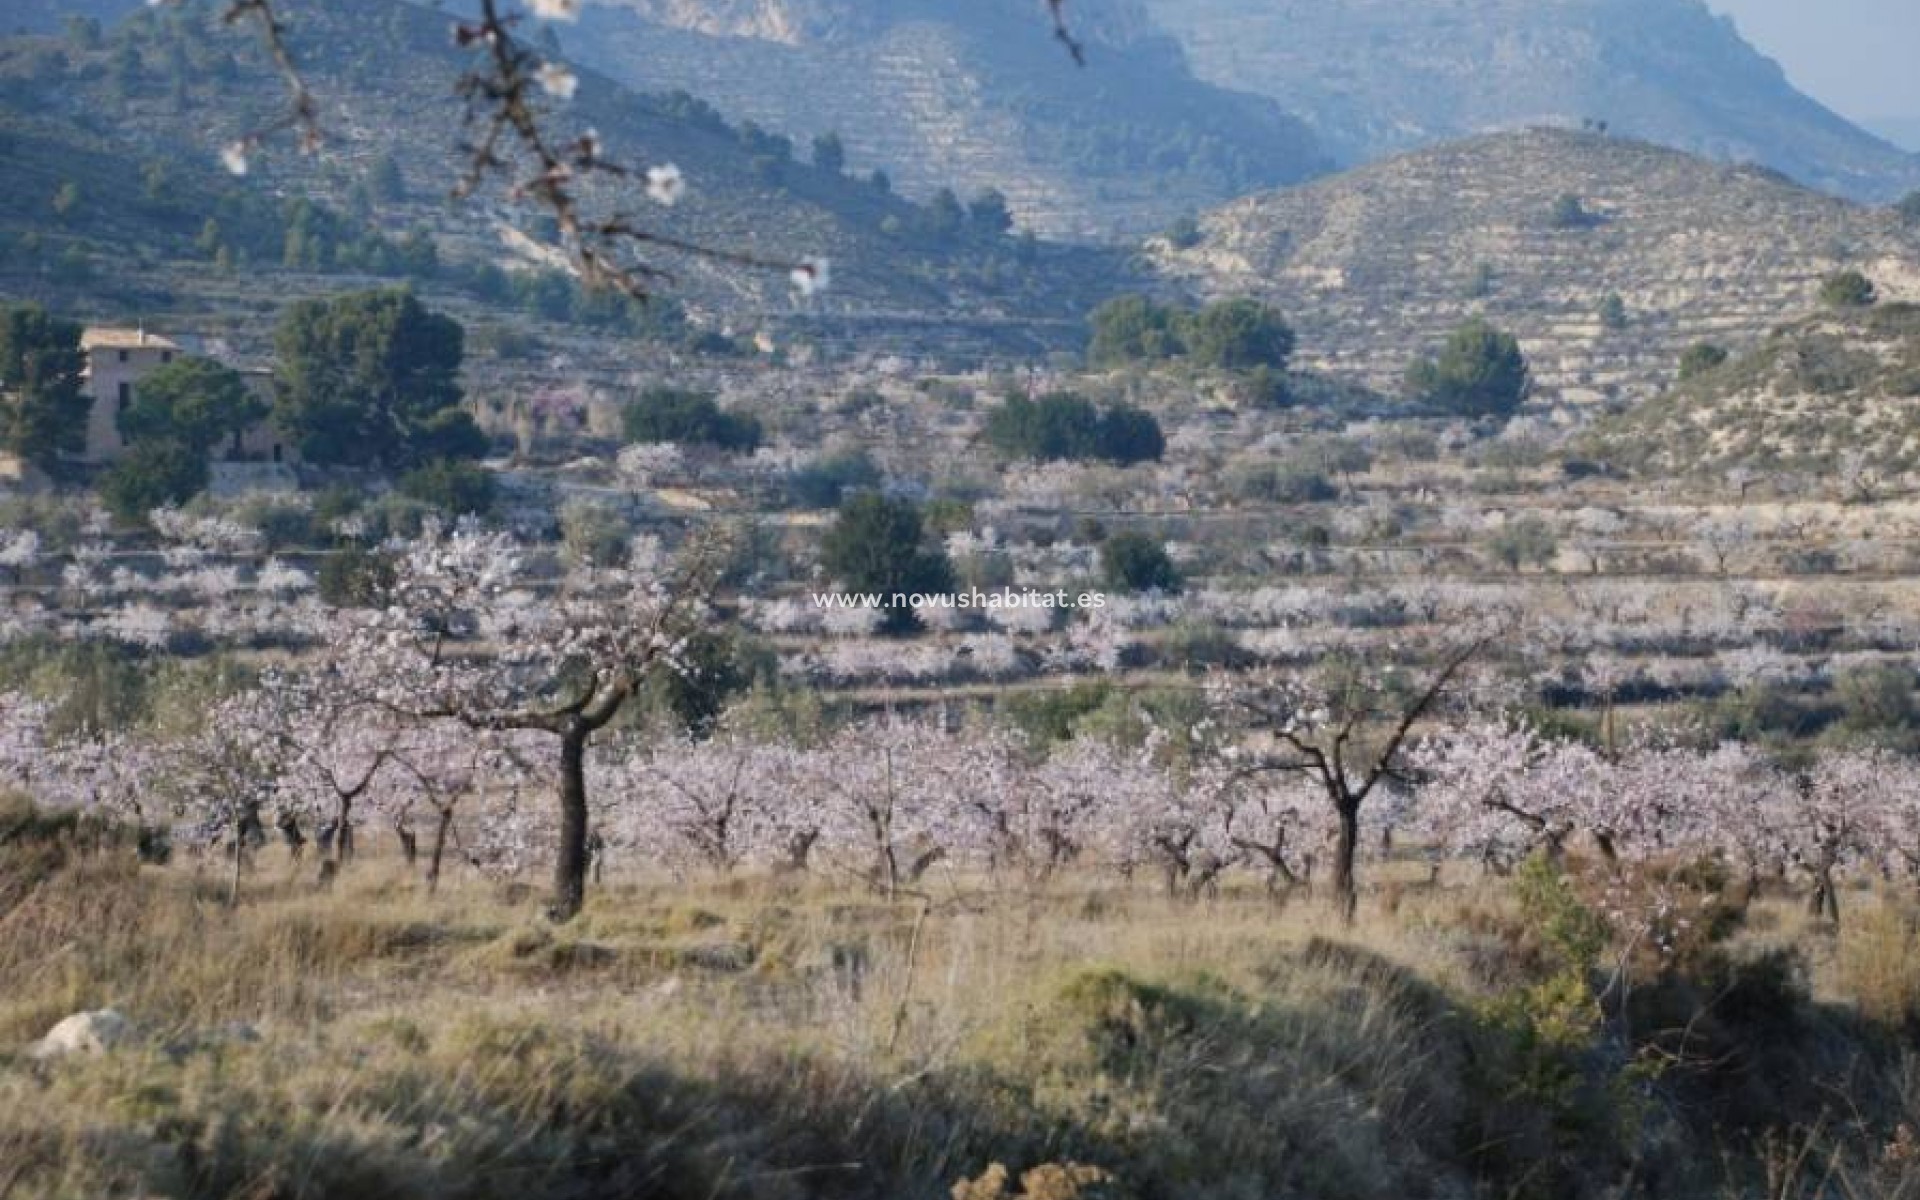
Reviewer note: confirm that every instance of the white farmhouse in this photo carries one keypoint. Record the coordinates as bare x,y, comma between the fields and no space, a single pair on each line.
118,359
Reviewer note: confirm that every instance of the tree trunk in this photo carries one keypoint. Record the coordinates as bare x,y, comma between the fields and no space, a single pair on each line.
441,827
1825,901
343,847
1346,896
570,867
239,848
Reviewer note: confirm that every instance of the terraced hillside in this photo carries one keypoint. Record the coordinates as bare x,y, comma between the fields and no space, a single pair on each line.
1377,264
970,96
133,120
1836,394
1375,77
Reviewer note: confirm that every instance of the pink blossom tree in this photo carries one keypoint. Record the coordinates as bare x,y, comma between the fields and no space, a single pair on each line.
470,635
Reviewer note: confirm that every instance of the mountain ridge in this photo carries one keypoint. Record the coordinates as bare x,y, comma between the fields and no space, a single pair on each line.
1376,264
973,98
1376,77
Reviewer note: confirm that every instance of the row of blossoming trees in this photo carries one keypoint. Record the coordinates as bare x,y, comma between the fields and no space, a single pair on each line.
477,711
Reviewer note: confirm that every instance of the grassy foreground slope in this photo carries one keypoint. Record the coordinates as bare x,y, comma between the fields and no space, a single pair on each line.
769,1039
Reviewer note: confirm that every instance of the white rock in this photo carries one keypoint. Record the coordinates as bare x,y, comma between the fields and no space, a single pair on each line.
83,1033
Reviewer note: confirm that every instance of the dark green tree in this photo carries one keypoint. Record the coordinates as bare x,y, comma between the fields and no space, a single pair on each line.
830,153
153,475
1063,425
1569,212
877,545
1700,358
1847,289
989,215
44,410
1133,329
824,484
1480,372
1613,311
1130,435
945,217
196,402
665,414
1136,562
454,487
1238,335
371,379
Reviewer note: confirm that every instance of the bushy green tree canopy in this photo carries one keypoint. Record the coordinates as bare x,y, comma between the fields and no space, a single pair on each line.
1847,289
152,475
1480,372
1238,335
372,379
877,544
43,416
1063,425
194,401
1230,335
1135,562
1133,329
665,414
1700,358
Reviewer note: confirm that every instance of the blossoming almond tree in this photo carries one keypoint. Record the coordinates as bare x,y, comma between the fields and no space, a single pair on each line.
1343,727
470,635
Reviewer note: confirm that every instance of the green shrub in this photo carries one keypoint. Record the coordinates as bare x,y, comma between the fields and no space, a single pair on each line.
826,483
457,488
877,544
1700,358
690,419
356,577
153,475
1064,426
1847,289
1480,372
1136,562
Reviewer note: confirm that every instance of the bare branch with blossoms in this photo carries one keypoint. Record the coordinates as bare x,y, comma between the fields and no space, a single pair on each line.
508,137
504,121
1344,729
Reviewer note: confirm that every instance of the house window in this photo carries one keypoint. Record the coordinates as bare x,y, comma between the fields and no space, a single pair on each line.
166,356
126,396
235,453
276,452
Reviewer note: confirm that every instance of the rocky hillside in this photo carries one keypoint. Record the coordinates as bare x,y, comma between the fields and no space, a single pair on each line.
134,120
1834,395
1537,230
969,96
1379,76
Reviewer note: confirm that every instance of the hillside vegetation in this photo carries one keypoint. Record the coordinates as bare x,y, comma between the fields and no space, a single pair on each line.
179,87
1542,232
1833,394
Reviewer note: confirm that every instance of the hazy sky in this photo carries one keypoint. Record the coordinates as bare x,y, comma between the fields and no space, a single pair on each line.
1857,57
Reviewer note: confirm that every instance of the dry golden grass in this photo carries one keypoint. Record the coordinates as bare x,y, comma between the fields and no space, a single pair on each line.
785,1039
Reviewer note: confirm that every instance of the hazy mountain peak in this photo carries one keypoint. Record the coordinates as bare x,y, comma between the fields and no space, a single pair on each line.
1376,76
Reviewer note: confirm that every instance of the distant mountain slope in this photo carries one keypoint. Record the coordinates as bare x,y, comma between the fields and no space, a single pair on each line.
1378,76
969,95
1377,264
171,86
1832,393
